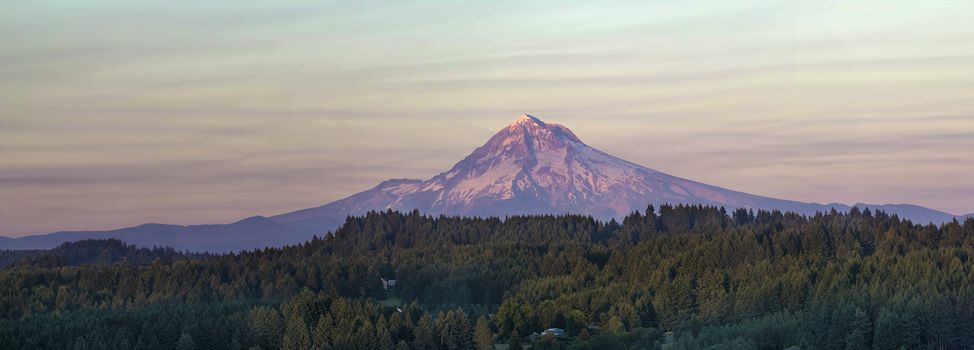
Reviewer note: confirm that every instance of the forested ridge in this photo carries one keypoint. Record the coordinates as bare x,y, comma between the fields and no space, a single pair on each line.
740,280
93,252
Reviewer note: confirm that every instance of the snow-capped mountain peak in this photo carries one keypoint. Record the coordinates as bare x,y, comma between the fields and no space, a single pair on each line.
532,167
526,119
536,167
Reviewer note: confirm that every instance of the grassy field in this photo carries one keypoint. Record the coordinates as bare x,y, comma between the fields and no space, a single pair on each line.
392,301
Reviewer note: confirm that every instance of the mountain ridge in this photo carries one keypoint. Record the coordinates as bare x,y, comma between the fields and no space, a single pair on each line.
527,167
254,232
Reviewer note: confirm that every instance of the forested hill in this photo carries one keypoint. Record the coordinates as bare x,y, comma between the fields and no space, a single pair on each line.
93,252
764,280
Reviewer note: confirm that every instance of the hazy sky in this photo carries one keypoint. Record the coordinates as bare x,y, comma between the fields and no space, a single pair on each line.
115,113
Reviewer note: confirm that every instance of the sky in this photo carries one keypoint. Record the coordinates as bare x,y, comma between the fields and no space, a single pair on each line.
117,113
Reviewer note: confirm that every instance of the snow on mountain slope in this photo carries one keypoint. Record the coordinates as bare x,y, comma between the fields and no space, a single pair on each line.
331,215
533,167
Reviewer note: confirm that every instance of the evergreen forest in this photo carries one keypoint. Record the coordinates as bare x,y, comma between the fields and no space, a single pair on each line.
672,277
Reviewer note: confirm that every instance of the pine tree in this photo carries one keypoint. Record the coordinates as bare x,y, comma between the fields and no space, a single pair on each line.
322,331
896,329
862,326
856,340
614,326
887,331
454,330
483,334
425,333
296,335
512,315
365,337
266,326
185,342
713,298
515,343
382,336
674,303
461,331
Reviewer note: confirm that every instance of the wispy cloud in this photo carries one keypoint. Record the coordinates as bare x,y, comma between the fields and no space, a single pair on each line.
118,113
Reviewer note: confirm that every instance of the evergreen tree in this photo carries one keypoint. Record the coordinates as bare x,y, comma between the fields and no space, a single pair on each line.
364,338
675,304
483,335
266,326
185,342
512,315
856,340
454,330
296,335
896,329
515,342
713,298
614,326
322,331
382,336
425,333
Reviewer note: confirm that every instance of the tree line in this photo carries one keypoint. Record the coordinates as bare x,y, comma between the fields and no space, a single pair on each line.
93,252
740,279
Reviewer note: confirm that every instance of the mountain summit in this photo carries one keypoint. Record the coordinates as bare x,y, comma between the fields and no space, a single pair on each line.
534,167
528,167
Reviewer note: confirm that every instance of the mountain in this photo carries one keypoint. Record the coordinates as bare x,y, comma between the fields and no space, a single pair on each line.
533,167
528,167
915,213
